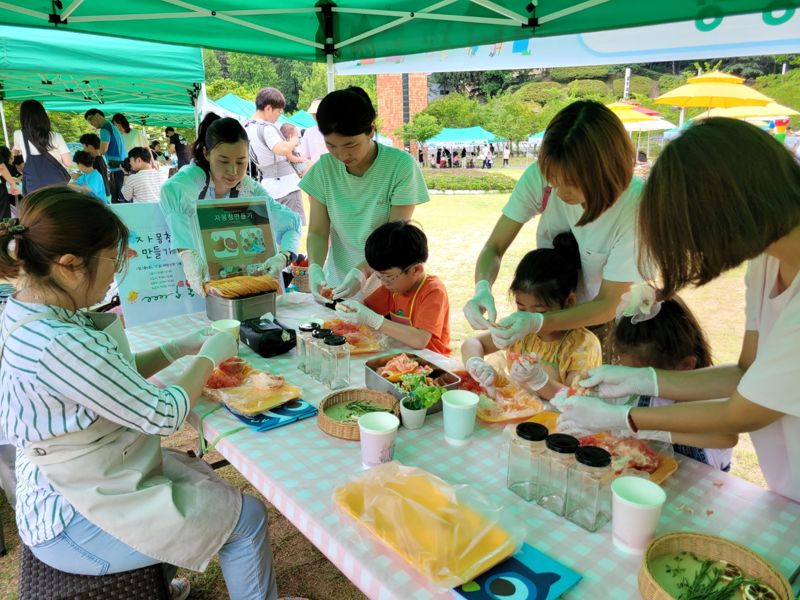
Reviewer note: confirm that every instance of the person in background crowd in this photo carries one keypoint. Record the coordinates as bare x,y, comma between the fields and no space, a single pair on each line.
219,170
312,145
357,187
178,146
144,182
91,144
131,136
288,130
90,180
8,183
43,150
112,148
506,154
273,154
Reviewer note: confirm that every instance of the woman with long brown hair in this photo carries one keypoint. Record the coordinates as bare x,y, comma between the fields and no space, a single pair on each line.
45,152
723,193
583,183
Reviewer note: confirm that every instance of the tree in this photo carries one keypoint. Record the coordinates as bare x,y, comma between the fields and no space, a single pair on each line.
219,87
291,74
421,128
316,85
455,110
211,64
509,118
251,70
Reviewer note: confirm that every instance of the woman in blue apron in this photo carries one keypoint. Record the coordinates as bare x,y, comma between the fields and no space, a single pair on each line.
97,494
46,154
219,170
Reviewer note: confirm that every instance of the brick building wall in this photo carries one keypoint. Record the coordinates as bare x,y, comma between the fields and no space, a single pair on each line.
400,97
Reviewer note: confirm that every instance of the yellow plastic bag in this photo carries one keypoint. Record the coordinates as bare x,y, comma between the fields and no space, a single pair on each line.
424,520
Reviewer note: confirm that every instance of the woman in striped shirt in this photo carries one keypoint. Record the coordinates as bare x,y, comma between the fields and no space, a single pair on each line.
93,483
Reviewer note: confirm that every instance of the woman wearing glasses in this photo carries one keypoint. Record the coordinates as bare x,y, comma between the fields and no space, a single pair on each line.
357,187
87,424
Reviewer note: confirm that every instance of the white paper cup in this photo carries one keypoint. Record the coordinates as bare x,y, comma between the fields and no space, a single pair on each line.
378,431
460,408
636,505
227,326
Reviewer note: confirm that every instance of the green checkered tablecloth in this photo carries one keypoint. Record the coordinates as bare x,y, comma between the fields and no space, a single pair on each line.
298,466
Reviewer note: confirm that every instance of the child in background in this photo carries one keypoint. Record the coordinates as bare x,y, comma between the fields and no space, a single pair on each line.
90,179
414,303
144,183
670,337
288,131
91,144
545,279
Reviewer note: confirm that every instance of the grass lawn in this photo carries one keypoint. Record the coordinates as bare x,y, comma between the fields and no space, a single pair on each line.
457,226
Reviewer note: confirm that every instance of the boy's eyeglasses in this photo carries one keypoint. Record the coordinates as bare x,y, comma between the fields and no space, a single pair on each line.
390,278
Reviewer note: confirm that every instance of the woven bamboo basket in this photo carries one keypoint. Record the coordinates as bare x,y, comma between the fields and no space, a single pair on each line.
300,278
350,431
713,548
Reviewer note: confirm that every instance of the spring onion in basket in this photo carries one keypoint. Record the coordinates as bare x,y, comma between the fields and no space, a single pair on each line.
708,584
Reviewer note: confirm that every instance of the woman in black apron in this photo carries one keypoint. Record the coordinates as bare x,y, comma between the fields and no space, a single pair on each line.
43,168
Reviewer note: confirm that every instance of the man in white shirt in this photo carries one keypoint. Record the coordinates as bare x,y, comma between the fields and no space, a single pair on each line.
312,146
272,154
144,182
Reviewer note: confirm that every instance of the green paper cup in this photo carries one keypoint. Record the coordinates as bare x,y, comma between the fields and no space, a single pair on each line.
460,408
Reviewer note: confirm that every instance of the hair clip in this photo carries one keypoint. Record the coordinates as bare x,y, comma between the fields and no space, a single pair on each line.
13,226
639,303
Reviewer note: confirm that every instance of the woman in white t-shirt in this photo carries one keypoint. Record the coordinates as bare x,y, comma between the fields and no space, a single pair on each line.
723,193
44,151
583,183
133,138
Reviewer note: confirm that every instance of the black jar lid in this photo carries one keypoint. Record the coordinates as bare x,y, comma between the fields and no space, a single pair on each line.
321,333
592,456
562,443
533,432
306,327
334,340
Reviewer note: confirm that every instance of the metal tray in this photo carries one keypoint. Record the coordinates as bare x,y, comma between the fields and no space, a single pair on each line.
240,309
376,382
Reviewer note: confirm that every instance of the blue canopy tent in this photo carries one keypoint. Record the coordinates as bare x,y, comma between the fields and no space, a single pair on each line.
463,136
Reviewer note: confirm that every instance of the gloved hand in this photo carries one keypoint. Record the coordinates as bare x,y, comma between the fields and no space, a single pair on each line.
480,302
219,347
587,413
186,344
528,373
316,281
615,381
481,371
355,312
350,286
274,265
196,270
515,327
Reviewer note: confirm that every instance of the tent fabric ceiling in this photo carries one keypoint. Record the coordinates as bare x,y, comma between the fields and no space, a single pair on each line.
95,70
154,115
357,29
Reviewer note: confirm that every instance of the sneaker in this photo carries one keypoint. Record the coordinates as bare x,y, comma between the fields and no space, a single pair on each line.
179,589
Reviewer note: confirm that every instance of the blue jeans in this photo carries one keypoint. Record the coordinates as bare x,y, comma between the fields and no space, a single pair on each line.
246,558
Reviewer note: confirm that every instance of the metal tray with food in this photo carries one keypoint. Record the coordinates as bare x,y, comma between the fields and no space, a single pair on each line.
377,377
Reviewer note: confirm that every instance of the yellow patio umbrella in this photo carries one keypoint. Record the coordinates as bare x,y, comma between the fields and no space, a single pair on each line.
712,94
716,77
628,114
772,110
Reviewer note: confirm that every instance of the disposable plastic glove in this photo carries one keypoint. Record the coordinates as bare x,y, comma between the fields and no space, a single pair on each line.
316,282
515,327
527,372
480,302
274,265
196,270
355,312
186,344
616,381
481,371
219,347
587,413
350,286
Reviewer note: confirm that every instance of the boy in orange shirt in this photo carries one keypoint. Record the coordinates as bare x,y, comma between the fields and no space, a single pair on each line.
411,306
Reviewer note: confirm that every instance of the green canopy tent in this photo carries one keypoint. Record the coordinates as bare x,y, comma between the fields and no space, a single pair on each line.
344,30
92,70
153,115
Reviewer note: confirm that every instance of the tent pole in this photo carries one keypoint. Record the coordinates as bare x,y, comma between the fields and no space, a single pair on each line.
5,130
330,73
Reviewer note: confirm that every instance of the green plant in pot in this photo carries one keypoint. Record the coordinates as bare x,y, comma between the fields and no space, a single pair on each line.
420,397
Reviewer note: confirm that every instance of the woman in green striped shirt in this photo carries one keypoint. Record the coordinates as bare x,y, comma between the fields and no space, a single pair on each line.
357,187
